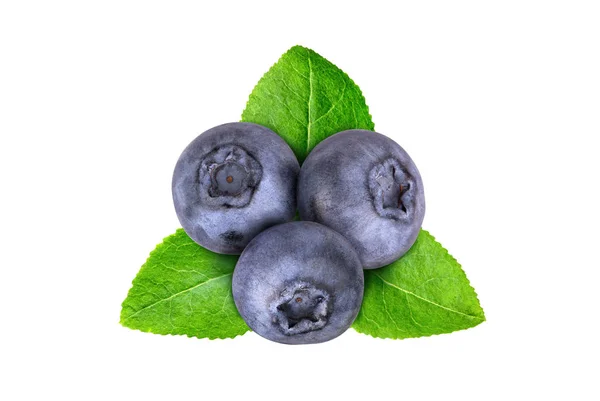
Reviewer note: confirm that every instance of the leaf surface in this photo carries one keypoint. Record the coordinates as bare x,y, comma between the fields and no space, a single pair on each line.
184,289
305,99
423,293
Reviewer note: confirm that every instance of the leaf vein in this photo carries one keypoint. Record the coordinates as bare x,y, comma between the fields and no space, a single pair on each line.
333,106
181,270
410,310
310,96
290,89
176,294
287,107
425,299
299,73
385,307
435,278
369,319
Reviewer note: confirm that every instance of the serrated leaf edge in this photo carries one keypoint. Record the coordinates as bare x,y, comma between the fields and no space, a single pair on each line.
482,318
150,330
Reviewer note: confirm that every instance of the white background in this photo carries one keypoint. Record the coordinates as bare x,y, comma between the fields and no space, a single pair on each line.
497,102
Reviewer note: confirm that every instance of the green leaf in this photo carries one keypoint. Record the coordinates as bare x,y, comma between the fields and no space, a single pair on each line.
184,289
423,293
305,99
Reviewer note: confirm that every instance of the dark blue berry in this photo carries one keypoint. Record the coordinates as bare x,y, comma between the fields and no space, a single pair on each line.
232,182
366,187
298,283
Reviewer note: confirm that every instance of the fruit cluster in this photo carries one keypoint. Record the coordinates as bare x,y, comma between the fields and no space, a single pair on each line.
236,189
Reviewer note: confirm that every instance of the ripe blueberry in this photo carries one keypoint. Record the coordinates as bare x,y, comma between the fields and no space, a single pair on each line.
298,283
232,182
366,187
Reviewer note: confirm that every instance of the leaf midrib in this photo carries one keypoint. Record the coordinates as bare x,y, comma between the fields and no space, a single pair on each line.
425,299
310,95
176,294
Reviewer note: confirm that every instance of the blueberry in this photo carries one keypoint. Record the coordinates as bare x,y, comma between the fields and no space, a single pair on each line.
232,182
298,283
366,187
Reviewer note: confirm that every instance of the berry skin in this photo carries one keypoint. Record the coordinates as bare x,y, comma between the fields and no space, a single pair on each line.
232,182
298,283
366,187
